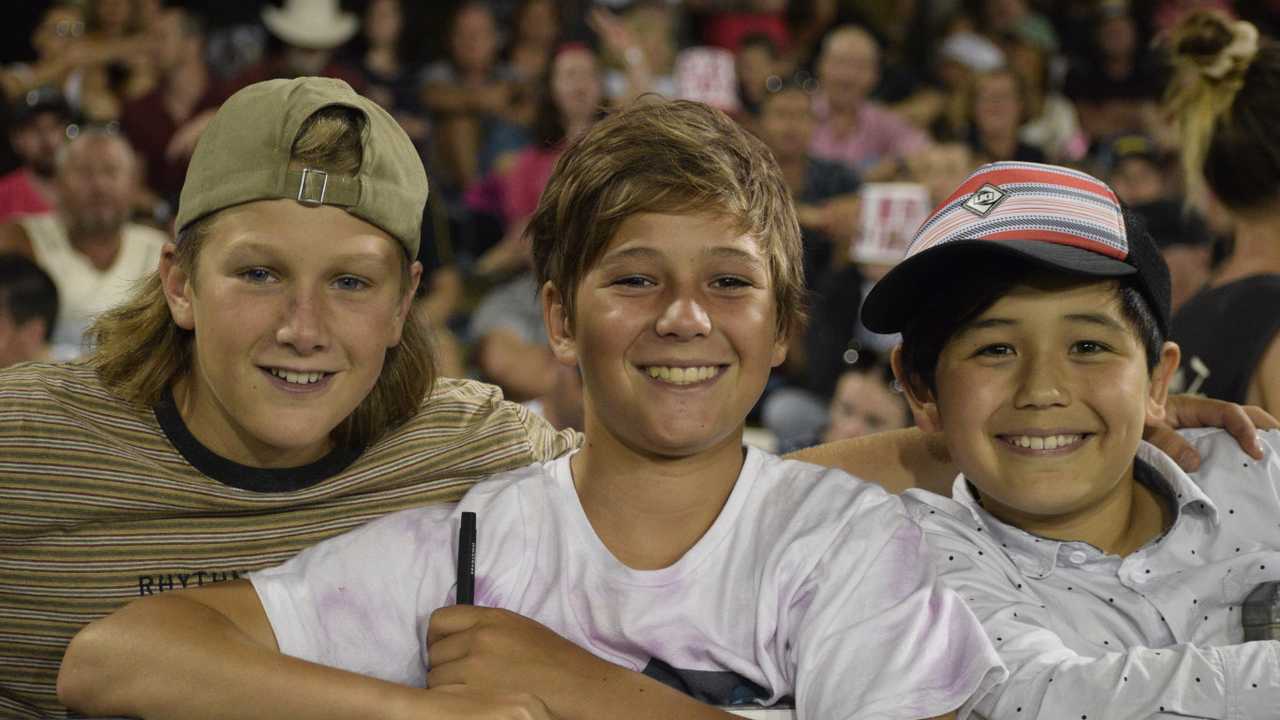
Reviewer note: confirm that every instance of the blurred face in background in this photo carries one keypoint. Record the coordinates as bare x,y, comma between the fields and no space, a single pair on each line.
37,142
575,85
475,39
849,67
997,105
96,182
755,65
941,168
1137,180
864,404
58,30
172,45
112,17
538,23
786,123
383,21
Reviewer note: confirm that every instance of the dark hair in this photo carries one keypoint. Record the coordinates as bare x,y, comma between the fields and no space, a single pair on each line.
969,288
1226,101
27,292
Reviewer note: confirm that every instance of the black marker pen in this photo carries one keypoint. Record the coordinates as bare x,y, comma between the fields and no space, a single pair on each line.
467,559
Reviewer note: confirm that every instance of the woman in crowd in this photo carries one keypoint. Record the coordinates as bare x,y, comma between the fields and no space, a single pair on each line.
1226,96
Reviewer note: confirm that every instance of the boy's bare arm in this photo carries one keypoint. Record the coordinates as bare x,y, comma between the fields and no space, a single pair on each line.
897,459
211,653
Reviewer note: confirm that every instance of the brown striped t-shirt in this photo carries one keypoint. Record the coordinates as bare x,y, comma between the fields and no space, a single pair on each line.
103,501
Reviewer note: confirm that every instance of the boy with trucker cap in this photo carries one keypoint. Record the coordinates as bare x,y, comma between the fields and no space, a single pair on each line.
1034,311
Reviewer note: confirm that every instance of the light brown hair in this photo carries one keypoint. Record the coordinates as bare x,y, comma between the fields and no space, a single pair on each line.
140,351
677,157
1225,98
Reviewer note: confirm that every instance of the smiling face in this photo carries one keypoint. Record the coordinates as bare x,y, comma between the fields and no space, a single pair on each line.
293,310
675,332
1043,398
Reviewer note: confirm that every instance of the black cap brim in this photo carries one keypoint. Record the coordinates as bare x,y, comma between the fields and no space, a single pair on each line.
897,297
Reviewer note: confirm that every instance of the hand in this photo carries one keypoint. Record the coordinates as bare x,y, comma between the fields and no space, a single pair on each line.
613,32
463,702
500,651
1187,411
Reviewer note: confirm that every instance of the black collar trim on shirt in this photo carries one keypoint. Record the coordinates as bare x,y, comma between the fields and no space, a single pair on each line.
228,472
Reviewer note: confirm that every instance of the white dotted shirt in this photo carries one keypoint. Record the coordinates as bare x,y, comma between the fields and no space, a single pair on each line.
1087,635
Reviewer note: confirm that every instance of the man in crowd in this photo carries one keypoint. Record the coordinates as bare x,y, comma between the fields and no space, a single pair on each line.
37,128
852,128
88,246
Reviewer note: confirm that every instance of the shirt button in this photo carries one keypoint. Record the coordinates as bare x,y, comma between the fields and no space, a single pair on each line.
1078,557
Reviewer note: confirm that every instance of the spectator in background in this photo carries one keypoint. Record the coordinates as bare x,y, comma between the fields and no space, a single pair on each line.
310,32
89,247
507,327
997,108
118,30
1185,244
28,310
1225,97
536,32
865,402
1053,125
1115,87
853,129
1136,169
756,63
392,82
164,124
730,26
37,130
643,44
468,94
58,41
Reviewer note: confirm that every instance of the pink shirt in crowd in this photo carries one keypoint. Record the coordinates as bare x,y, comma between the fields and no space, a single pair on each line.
879,133
19,196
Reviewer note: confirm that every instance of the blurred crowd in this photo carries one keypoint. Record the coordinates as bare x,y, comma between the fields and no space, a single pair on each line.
874,110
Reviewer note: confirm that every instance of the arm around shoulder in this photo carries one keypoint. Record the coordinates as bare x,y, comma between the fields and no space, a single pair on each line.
898,459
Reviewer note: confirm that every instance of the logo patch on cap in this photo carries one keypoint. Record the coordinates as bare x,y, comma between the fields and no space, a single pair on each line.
984,200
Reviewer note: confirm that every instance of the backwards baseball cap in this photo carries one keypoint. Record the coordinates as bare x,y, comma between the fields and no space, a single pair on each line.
244,155
1053,217
43,99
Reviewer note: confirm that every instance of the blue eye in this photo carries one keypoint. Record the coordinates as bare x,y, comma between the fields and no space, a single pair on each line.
256,275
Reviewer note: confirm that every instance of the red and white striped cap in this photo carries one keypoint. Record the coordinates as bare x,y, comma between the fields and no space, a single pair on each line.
1053,216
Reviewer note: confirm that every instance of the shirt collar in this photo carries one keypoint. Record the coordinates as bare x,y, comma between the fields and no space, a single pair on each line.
1037,556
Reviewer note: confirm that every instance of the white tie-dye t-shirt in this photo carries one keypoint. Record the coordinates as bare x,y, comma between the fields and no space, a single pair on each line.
810,585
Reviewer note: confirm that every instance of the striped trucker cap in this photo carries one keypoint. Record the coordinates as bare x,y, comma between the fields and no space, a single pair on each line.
1054,217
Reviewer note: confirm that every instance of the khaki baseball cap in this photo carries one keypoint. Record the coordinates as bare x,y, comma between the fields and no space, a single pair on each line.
244,156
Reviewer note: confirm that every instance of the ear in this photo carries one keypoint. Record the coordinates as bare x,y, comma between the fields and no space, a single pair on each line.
1158,392
781,342
559,327
177,288
405,306
924,407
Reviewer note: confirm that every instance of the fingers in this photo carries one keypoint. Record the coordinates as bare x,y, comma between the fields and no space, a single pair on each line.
1173,445
1261,418
451,620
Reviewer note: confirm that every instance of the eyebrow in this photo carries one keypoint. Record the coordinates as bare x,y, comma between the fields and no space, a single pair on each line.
1098,319
272,251
721,251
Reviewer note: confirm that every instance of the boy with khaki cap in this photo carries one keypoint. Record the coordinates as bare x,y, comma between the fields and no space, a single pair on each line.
267,388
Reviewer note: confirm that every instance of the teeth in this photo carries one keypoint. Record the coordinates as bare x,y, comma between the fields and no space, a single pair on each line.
297,378
1047,442
682,375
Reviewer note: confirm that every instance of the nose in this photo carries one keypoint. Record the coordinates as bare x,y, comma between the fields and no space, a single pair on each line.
684,317
303,325
1042,383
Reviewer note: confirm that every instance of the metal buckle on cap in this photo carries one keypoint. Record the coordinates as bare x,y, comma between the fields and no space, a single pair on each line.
307,186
